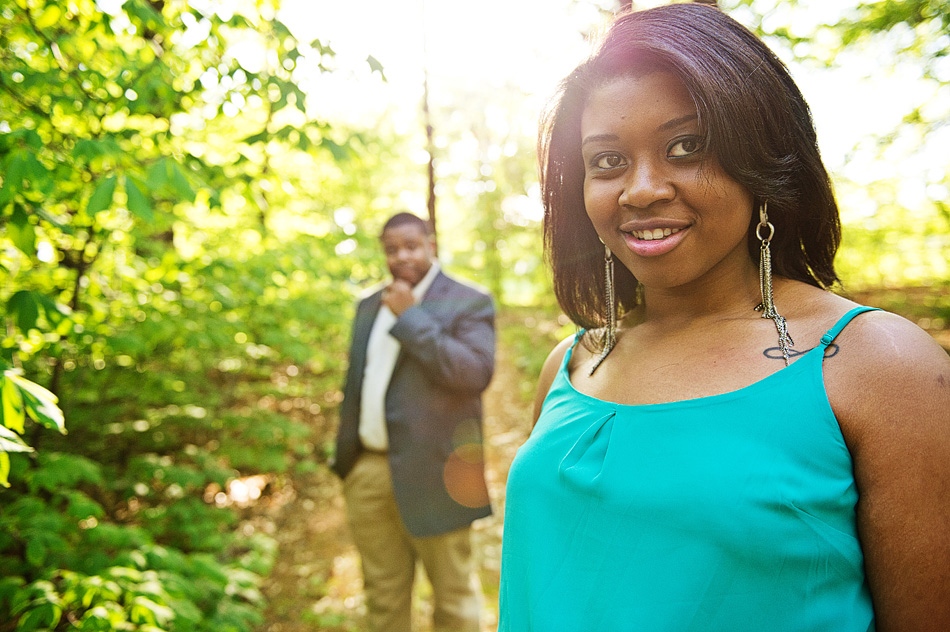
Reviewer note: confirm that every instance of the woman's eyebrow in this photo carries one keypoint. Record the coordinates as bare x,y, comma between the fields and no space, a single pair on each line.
677,121
665,126
600,137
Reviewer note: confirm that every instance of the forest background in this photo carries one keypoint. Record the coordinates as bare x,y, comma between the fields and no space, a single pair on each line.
184,227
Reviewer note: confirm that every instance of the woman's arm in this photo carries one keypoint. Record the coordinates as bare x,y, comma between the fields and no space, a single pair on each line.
891,392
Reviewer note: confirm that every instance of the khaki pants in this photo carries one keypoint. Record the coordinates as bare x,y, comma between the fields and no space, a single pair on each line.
389,554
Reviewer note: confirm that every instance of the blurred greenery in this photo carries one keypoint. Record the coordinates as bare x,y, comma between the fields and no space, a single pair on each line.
181,246
894,184
168,285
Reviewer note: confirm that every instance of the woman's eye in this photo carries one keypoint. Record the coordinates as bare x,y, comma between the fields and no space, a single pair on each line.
684,147
608,161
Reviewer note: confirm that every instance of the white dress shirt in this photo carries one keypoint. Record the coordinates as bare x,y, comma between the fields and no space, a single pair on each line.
382,351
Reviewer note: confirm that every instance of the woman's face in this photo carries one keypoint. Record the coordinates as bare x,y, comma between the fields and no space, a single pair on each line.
671,217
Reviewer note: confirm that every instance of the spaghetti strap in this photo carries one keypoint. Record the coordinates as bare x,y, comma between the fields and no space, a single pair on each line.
577,337
570,351
832,333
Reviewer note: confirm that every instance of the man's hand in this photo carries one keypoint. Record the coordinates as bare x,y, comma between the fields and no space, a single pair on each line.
398,297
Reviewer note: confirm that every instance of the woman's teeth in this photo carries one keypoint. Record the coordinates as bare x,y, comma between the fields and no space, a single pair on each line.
656,233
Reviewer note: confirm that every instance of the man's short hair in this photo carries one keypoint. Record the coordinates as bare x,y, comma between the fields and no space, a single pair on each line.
400,219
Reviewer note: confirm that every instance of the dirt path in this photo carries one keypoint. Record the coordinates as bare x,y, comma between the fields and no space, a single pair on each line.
316,583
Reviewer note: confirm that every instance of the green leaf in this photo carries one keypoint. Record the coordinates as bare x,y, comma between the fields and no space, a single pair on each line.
340,152
239,21
28,137
54,313
375,66
144,610
323,49
21,231
11,441
46,615
101,198
87,150
158,175
281,30
10,586
138,203
256,138
14,172
80,506
180,183
40,403
301,99
142,12
4,469
49,17
23,307
37,176
11,404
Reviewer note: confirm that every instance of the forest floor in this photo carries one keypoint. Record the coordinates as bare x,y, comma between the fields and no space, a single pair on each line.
316,584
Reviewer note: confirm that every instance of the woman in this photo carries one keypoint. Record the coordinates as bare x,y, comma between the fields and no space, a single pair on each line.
742,449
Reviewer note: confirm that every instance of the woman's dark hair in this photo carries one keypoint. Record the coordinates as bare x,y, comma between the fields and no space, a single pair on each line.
755,123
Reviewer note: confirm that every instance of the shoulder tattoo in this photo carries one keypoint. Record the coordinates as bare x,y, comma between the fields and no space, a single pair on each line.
775,353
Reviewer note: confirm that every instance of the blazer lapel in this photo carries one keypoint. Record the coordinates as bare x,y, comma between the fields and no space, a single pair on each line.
361,330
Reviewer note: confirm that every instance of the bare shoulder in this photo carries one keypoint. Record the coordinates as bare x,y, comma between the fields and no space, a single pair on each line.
549,372
889,386
887,362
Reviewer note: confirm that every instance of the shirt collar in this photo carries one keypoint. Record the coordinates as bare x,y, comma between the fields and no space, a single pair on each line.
422,286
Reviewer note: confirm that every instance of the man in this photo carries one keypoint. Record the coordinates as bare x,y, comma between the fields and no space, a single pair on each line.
409,445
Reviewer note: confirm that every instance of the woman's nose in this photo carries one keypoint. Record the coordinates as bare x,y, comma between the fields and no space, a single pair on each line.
645,184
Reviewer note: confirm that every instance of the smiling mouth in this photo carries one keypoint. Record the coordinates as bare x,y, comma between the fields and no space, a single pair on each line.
656,233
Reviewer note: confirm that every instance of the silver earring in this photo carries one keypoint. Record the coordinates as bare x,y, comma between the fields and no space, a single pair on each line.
767,306
610,328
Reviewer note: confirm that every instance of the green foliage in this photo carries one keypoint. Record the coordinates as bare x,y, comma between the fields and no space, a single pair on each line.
924,17
893,184
530,334
144,290
19,399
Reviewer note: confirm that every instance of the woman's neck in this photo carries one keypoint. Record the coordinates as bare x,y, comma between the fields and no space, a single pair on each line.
729,296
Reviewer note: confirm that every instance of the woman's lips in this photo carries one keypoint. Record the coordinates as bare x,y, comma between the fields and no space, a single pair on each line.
655,242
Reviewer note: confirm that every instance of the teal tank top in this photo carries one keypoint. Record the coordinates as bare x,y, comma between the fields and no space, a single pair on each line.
731,512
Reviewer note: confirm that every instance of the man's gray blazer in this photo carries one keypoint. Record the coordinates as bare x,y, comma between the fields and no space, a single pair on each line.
433,405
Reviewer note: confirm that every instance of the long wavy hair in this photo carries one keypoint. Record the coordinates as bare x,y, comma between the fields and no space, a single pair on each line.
755,123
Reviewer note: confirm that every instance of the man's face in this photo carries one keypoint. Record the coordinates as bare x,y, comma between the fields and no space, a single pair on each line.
409,252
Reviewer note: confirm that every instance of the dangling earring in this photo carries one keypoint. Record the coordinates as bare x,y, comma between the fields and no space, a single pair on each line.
610,329
767,306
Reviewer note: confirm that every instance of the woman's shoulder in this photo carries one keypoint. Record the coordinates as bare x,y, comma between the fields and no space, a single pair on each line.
889,387
549,371
822,310
887,372
556,358
878,338
880,358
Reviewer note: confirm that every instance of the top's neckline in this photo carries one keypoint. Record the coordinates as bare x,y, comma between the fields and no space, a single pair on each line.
826,340
693,401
